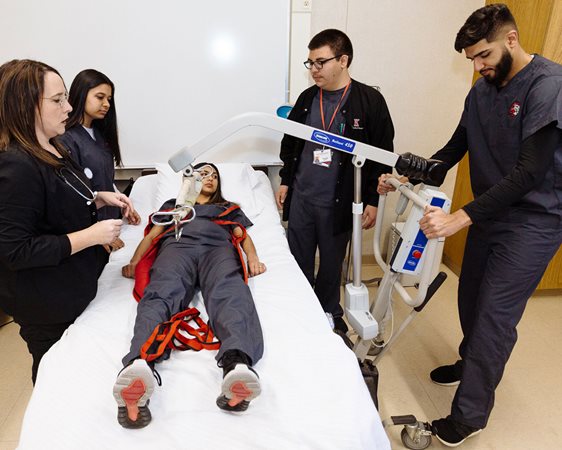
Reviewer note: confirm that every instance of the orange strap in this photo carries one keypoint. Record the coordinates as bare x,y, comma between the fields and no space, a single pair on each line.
236,241
142,271
168,335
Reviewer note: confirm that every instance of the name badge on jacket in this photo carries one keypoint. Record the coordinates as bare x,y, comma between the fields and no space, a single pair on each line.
322,157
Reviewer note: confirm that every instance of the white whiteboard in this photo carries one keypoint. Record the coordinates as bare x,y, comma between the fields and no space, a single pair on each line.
180,67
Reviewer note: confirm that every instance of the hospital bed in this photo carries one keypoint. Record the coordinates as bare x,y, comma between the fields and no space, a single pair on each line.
313,394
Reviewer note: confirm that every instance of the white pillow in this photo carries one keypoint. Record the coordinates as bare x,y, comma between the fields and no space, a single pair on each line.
237,183
142,194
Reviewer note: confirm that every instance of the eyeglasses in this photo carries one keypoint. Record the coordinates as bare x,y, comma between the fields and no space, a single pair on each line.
60,99
318,63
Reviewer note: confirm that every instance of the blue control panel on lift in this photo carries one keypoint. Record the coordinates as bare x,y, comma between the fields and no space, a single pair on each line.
408,254
416,251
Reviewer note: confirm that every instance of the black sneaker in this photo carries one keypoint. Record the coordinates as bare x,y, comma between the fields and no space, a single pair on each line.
132,391
447,375
452,433
240,383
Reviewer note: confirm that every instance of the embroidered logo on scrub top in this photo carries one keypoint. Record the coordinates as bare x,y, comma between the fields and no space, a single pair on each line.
357,125
514,109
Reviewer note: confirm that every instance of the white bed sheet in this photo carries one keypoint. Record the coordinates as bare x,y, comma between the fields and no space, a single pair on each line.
313,395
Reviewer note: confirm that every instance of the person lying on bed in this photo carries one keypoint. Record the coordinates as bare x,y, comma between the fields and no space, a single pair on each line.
204,257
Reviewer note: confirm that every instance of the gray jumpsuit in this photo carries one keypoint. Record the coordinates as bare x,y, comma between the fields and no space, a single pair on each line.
203,257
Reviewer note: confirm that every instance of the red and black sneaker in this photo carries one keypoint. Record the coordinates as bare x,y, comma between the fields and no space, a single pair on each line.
132,391
240,383
239,387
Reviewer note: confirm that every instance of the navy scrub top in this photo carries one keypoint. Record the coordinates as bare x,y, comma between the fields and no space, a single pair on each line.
96,156
498,121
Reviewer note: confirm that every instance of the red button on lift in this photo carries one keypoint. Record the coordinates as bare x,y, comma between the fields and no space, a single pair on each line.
417,254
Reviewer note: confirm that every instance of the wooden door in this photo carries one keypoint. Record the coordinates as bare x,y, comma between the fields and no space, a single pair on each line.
539,23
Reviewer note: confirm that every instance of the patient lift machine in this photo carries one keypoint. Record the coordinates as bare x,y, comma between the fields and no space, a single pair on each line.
357,299
414,254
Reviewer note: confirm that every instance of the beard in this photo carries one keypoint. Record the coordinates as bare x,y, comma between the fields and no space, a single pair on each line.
502,69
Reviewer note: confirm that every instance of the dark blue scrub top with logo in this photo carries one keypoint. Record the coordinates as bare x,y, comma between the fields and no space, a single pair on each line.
498,121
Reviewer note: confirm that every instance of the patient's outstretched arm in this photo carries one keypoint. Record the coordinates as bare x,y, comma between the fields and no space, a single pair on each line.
128,271
255,266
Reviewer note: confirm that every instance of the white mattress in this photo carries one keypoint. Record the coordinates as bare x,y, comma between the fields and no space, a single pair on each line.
313,395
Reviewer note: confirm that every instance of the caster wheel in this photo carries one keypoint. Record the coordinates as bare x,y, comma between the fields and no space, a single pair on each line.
423,442
376,347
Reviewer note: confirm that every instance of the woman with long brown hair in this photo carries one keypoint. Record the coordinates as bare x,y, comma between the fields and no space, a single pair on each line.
50,238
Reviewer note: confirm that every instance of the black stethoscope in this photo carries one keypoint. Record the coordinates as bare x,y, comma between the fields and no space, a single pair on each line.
92,194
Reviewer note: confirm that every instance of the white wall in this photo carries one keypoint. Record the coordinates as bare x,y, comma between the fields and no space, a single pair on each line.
180,68
406,48
299,80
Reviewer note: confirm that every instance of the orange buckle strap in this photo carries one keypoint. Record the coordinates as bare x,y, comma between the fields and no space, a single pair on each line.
168,335
203,337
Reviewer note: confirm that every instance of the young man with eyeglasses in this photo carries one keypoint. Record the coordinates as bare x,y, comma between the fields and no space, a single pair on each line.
316,191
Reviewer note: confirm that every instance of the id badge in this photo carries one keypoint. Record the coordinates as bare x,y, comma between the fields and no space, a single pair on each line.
322,157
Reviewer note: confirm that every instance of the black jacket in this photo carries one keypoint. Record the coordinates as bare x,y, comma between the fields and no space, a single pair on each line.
40,281
368,121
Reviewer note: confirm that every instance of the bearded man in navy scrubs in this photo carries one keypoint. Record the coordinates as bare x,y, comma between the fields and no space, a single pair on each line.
511,127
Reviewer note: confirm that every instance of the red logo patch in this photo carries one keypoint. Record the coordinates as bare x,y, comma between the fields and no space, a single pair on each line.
514,109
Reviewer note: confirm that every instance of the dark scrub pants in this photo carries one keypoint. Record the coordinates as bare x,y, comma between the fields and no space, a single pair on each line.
503,263
177,270
312,226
